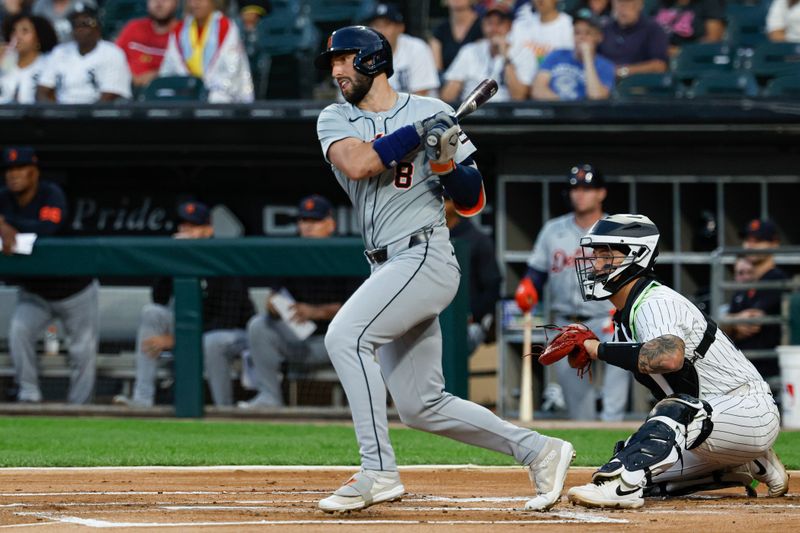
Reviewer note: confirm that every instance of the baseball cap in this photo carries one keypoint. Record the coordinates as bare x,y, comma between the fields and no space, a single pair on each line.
385,11
760,230
195,213
585,175
587,15
504,8
19,156
83,8
259,7
315,207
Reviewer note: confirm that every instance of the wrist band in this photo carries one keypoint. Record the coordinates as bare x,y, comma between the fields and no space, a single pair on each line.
393,148
622,354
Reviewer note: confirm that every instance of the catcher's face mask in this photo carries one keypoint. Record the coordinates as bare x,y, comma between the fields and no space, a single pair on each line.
604,268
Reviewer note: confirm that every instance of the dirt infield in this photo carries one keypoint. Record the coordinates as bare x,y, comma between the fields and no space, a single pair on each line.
268,499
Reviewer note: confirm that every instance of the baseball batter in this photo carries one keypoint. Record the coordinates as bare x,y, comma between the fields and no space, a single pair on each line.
715,422
387,334
552,262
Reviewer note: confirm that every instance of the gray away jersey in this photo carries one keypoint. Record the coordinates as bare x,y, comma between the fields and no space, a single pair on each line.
554,253
660,310
402,200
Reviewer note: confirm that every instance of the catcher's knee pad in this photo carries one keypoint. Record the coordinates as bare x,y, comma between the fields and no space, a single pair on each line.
675,423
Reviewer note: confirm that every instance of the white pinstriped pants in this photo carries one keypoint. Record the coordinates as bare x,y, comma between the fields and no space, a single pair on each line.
746,424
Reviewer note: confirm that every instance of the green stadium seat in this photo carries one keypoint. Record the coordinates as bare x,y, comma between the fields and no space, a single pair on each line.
724,85
774,59
695,60
116,13
568,6
176,89
645,86
783,87
339,10
746,25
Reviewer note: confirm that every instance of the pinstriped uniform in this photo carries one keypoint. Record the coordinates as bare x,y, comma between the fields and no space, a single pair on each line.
387,334
746,419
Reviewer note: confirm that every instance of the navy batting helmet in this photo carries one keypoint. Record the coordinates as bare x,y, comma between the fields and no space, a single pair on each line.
373,52
586,176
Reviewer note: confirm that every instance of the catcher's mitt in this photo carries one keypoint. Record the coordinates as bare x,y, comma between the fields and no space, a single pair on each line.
569,343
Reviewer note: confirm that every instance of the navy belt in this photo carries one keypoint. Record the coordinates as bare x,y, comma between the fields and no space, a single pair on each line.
380,255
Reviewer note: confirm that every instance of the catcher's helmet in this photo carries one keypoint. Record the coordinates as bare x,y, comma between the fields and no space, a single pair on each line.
600,275
585,175
373,52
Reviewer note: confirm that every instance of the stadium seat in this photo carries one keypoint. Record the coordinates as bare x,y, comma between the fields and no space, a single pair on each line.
175,88
568,6
339,10
116,13
783,87
774,59
695,60
286,43
645,86
724,85
746,25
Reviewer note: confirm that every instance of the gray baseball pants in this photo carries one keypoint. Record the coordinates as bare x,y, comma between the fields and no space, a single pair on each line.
271,343
79,316
580,394
219,348
387,335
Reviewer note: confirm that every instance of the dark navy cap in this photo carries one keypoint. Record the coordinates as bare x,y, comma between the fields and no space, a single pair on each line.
195,213
503,8
760,230
315,207
18,156
585,176
385,11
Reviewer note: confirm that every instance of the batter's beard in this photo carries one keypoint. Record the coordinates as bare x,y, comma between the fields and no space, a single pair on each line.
359,87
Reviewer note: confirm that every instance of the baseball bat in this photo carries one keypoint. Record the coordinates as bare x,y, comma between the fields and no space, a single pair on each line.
479,96
526,384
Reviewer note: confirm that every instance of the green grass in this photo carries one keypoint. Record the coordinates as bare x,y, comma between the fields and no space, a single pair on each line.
38,441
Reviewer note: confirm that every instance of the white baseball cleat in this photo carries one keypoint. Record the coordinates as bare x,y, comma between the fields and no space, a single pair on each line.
363,489
769,470
548,472
611,493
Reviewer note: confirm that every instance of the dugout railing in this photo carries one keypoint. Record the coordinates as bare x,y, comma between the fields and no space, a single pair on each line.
188,261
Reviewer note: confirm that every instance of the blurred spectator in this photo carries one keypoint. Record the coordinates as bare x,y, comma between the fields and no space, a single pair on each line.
250,14
461,27
206,44
542,31
634,42
753,303
86,70
691,21
783,21
226,309
414,66
273,341
144,40
580,73
8,10
600,8
491,57
31,205
484,276
33,39
58,13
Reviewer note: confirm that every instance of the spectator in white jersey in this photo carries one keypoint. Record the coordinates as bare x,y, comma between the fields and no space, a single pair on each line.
33,39
491,57
86,70
414,67
552,261
715,421
542,28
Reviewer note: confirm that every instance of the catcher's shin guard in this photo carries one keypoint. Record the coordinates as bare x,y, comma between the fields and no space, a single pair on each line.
719,479
676,423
